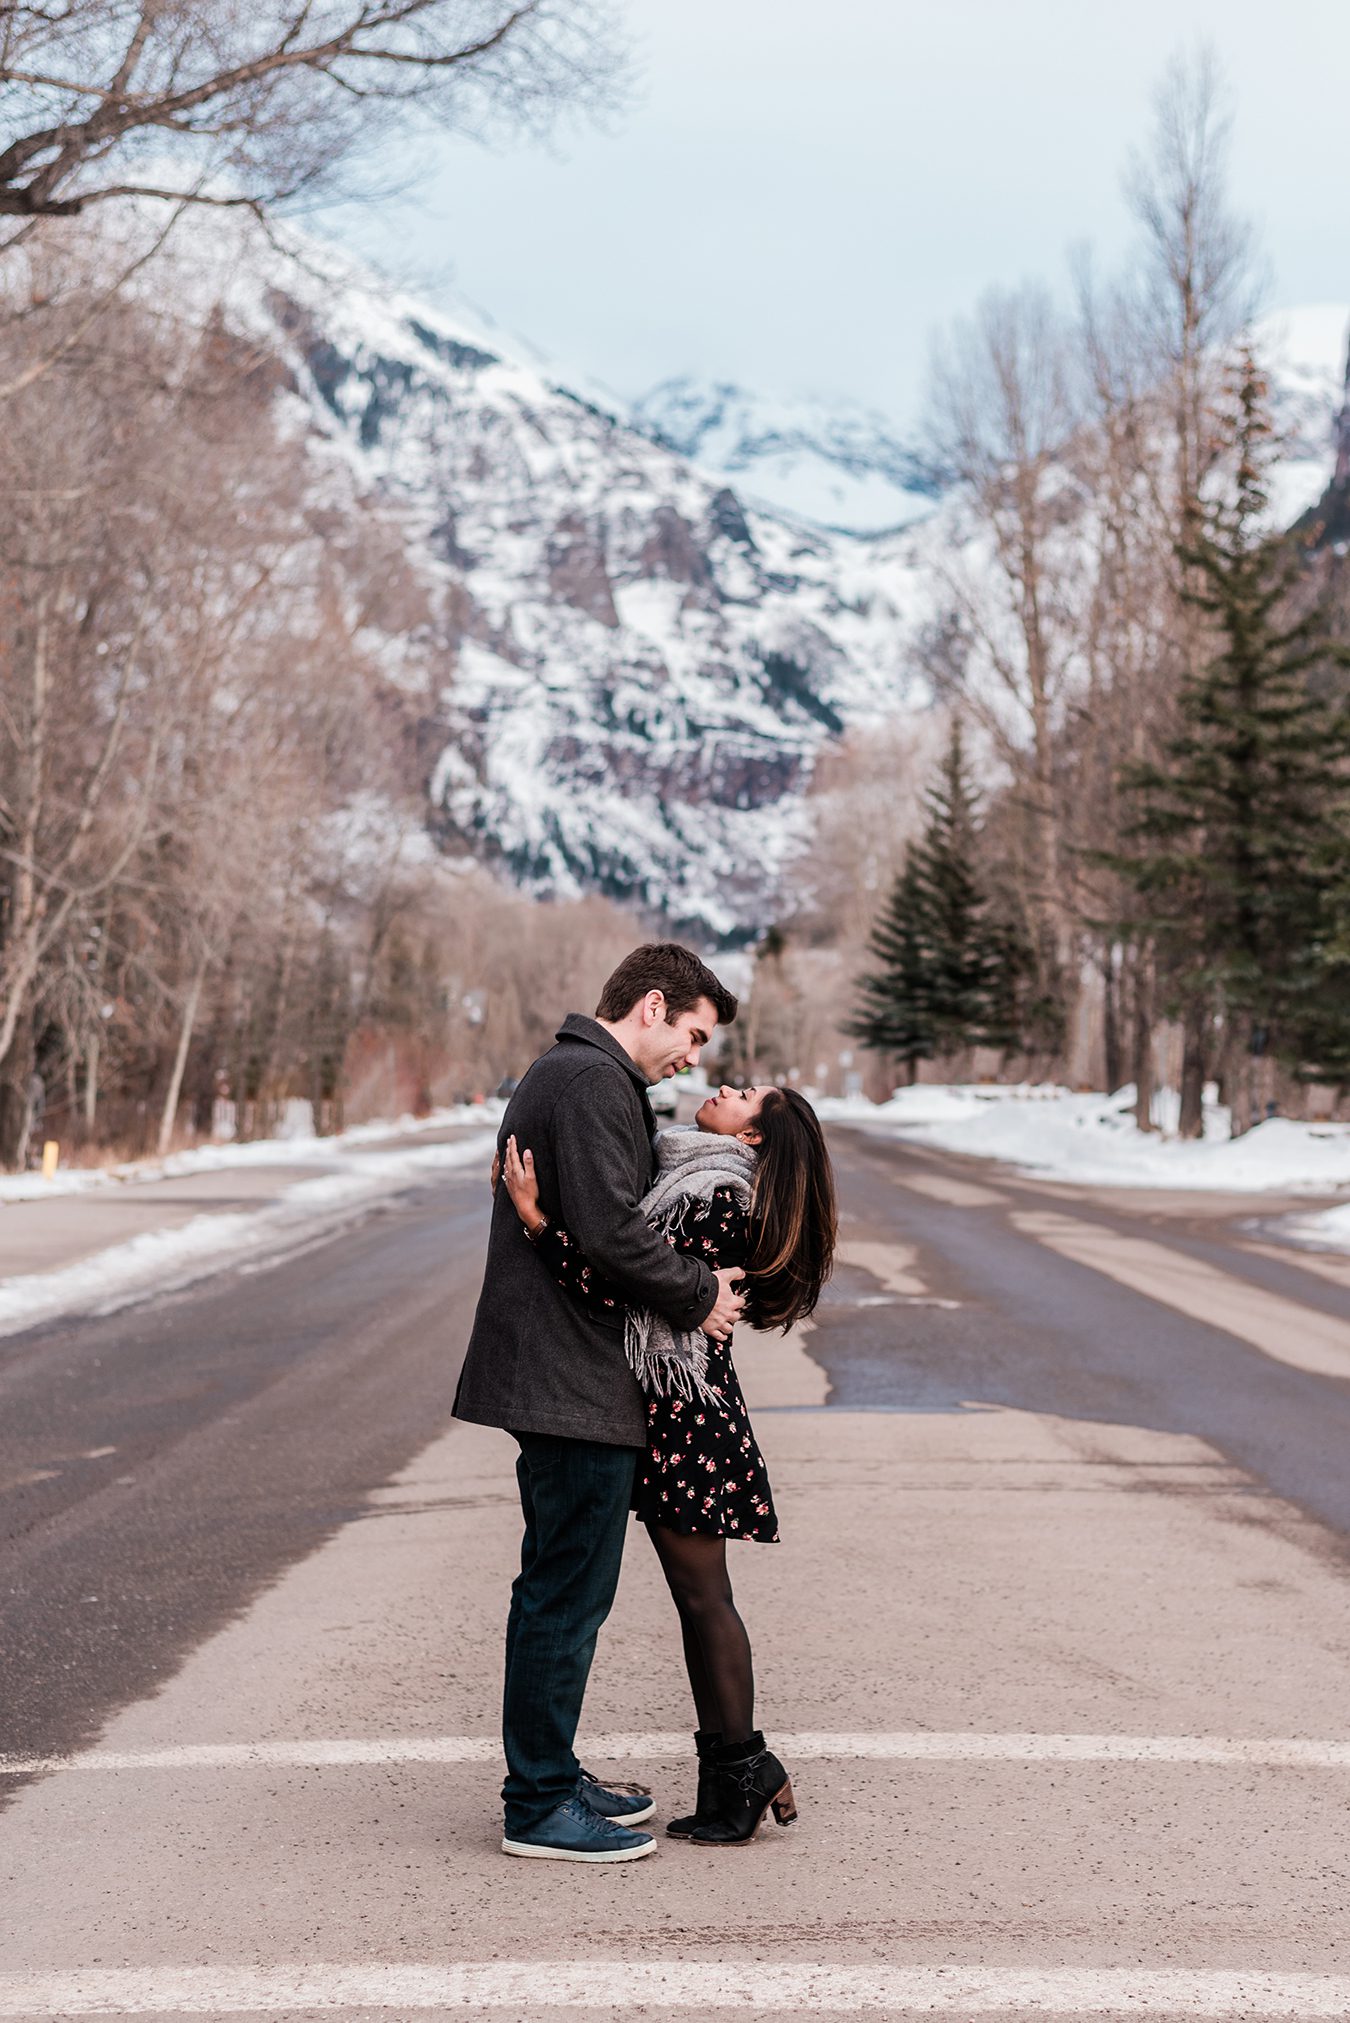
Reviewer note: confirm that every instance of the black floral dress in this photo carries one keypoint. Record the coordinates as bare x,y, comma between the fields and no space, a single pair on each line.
702,1470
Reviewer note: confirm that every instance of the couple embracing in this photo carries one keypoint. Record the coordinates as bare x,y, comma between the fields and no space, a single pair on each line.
618,1262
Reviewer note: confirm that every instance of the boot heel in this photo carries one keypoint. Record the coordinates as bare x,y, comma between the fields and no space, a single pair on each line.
750,1782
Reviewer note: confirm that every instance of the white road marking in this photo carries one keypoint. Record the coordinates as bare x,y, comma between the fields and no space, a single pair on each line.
1323,1264
1281,1328
914,1745
28,1481
700,1985
892,1265
946,1187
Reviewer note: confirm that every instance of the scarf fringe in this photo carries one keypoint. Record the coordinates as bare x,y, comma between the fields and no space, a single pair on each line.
668,1364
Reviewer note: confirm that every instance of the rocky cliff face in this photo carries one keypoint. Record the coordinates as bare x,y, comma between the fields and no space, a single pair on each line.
634,669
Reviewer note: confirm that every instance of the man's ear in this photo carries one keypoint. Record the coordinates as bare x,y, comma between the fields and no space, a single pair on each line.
653,1007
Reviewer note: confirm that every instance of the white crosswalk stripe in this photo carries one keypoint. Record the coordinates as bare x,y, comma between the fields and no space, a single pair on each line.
918,1745
697,1985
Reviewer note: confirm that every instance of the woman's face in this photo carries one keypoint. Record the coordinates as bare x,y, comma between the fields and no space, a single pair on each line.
732,1112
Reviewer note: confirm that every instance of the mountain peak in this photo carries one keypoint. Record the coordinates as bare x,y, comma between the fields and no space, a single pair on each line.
831,461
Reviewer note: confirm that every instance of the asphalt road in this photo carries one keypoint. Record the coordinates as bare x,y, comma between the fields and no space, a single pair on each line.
1032,1328
1065,1520
160,1467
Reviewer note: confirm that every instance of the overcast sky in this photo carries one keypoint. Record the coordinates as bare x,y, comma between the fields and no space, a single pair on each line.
800,192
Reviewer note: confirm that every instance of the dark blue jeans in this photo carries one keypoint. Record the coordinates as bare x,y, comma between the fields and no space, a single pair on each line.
575,1496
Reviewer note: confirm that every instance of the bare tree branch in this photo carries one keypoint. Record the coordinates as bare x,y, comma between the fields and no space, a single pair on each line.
257,95
72,338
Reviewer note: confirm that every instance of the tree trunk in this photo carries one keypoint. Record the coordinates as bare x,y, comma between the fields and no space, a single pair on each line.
1143,1043
1239,1067
1112,1048
1191,1122
175,1088
91,1054
16,1099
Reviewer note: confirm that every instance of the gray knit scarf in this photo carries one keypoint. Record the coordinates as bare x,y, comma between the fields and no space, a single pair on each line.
690,1166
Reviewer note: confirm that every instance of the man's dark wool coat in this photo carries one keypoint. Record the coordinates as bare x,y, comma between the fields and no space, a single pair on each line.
537,1362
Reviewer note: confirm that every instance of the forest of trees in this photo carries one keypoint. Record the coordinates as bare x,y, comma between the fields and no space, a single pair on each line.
215,877
1153,675
218,881
1232,858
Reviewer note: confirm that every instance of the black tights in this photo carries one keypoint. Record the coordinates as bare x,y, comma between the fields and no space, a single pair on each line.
716,1647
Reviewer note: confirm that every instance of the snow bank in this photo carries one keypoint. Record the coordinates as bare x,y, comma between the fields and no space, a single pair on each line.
161,1258
1093,1139
295,1148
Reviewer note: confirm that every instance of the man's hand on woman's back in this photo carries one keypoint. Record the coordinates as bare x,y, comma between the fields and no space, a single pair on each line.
728,1305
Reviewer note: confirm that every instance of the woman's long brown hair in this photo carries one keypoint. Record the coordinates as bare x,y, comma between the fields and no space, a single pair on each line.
792,1212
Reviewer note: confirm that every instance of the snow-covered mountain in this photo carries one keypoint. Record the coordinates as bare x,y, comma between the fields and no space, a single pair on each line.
634,668
623,669
1305,351
832,462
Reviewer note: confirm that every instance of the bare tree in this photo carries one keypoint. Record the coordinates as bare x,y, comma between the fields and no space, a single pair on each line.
865,804
179,696
221,102
1128,646
1198,281
1195,287
1081,458
1001,421
82,710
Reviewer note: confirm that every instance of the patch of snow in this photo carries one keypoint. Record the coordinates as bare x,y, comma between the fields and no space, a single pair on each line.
1328,1231
298,1147
1304,349
1093,1139
161,1258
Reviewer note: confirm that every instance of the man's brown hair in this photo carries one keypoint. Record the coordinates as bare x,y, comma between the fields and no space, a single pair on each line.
676,972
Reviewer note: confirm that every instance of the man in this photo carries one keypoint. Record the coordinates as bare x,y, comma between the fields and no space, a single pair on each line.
559,1381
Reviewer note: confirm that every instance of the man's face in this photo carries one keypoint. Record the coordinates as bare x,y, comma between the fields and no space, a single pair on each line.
668,1046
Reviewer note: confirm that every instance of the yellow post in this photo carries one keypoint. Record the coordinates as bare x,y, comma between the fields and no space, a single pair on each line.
51,1155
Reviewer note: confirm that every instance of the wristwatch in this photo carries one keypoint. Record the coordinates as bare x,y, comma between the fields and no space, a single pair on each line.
533,1235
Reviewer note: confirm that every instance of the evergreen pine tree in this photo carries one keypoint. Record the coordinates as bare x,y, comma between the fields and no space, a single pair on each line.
893,1014
1023,1011
1242,828
962,955
942,975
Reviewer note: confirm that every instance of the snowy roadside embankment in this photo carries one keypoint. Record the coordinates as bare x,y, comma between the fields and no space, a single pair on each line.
358,1171
293,1149
1093,1139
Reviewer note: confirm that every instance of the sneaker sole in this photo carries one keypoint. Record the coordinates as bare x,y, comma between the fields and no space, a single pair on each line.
630,1818
538,1853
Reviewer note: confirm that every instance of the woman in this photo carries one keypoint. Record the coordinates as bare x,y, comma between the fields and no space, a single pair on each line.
751,1185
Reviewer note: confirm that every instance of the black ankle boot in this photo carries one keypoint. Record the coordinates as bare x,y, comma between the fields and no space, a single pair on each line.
705,1805
750,1779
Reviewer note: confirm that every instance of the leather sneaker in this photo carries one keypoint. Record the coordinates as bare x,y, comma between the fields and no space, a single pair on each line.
572,1832
621,1804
